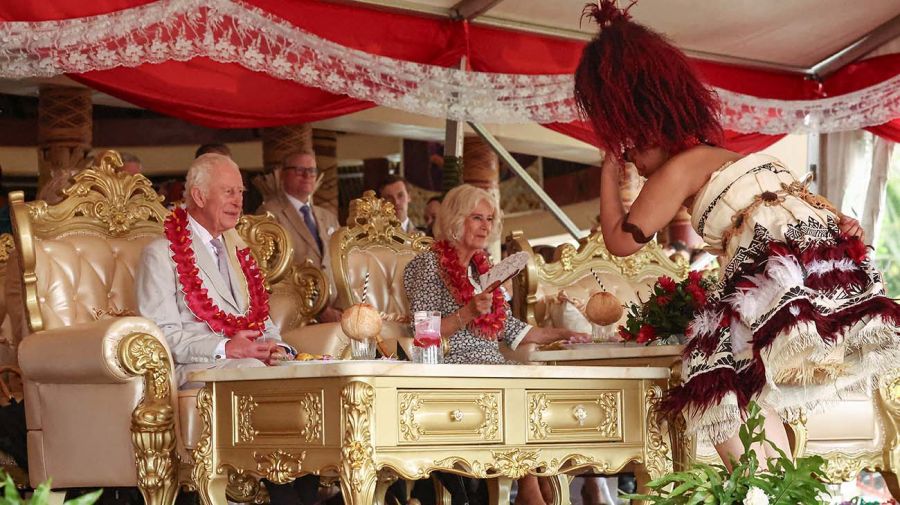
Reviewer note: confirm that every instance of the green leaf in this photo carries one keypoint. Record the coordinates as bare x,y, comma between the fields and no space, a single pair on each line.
41,494
86,499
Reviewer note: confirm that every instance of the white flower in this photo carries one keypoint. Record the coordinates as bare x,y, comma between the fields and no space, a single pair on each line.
756,496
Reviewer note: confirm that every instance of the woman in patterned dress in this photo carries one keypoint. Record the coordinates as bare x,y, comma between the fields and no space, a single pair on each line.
799,315
446,279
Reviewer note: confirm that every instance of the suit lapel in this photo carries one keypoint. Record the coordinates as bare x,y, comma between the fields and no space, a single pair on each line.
211,275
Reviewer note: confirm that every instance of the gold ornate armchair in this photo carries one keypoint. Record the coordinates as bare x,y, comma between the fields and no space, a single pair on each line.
101,405
867,436
372,243
537,287
99,395
297,293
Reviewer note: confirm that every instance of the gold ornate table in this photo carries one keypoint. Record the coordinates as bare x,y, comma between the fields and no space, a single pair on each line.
369,423
631,355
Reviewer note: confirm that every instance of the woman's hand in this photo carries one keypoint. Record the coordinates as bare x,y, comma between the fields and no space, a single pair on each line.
572,337
851,227
612,167
480,304
550,335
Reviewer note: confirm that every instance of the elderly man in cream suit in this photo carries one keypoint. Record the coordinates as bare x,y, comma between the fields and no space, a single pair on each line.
213,194
214,197
310,227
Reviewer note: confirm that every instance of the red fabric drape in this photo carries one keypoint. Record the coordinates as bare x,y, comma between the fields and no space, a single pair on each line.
229,96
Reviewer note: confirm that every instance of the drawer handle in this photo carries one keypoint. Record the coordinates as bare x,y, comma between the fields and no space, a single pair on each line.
580,414
456,416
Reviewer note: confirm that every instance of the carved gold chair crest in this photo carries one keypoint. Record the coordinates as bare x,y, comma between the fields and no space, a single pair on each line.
575,271
374,246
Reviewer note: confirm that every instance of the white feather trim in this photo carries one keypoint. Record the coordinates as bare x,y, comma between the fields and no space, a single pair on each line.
785,271
825,266
741,336
705,323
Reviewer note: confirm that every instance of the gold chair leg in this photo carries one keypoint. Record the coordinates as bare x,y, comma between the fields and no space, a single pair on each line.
153,420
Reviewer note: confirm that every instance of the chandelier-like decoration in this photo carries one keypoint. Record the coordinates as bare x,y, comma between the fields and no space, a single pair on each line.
229,31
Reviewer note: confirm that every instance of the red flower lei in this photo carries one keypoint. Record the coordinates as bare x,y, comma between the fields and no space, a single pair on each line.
195,295
457,280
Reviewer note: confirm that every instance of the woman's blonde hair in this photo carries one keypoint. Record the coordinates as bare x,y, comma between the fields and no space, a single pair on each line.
458,203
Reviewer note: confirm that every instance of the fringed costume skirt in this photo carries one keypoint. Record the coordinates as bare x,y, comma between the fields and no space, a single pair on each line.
799,316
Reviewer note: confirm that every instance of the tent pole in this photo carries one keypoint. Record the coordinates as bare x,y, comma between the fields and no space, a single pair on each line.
539,191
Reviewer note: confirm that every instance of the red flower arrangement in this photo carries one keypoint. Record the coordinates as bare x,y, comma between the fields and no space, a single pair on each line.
669,310
195,295
454,275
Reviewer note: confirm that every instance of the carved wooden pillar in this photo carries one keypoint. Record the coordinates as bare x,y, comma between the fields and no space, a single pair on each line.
279,141
481,168
64,137
325,147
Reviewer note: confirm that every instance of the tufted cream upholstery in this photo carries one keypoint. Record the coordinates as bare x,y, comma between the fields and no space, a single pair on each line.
80,274
574,271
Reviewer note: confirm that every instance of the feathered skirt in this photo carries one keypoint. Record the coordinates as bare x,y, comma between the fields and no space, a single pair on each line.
799,317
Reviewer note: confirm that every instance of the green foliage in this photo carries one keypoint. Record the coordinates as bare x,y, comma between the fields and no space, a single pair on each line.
784,480
668,311
41,495
887,252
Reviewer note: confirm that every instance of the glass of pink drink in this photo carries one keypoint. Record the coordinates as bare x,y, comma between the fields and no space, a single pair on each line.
427,341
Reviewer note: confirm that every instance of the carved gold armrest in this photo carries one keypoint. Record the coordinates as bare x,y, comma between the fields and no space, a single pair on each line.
84,353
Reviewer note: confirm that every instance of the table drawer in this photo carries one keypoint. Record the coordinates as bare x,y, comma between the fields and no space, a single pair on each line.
278,418
565,416
450,417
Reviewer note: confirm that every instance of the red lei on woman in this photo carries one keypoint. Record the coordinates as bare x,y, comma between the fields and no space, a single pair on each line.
195,295
456,278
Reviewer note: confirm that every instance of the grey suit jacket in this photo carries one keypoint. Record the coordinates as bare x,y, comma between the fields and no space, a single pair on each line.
305,246
161,300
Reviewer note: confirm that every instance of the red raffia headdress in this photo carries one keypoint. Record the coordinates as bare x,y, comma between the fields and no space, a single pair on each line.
638,90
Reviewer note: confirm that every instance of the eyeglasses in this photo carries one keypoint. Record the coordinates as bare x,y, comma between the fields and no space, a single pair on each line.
301,170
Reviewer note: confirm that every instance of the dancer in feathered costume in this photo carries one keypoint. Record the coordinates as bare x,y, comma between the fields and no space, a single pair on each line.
799,315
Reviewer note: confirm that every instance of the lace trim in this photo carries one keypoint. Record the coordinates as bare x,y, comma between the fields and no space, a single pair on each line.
229,31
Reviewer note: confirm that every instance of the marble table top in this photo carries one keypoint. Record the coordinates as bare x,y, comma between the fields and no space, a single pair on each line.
579,352
383,368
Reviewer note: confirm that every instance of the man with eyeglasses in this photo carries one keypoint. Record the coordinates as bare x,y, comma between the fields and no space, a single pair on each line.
309,226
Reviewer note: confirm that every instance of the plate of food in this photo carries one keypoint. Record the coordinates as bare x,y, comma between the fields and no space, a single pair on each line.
305,358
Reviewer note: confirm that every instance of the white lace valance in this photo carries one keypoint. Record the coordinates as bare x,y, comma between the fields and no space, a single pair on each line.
231,32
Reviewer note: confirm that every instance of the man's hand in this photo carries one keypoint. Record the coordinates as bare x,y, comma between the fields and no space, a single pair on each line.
329,315
277,353
240,346
851,227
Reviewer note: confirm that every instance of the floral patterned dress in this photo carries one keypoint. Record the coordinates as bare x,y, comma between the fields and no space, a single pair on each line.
799,315
426,290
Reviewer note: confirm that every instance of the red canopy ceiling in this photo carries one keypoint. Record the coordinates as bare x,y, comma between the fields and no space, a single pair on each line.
229,96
